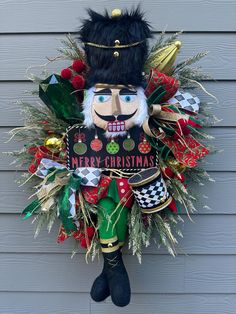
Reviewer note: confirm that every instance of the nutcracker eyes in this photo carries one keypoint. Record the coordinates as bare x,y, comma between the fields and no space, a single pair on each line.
102,98
128,98
124,98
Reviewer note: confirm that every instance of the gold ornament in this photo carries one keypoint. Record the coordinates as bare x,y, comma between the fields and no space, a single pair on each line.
164,58
176,165
54,143
116,54
116,13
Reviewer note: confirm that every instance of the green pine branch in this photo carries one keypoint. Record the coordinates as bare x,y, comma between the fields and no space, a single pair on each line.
71,49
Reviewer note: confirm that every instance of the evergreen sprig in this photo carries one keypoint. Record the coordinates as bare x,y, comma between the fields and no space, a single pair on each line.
71,49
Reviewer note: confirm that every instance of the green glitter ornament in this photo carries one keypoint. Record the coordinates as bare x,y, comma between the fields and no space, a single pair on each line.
128,144
80,148
113,147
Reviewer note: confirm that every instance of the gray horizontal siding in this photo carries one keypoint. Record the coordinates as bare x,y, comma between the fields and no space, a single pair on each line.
16,56
172,303
63,16
74,303
16,237
38,303
158,273
37,276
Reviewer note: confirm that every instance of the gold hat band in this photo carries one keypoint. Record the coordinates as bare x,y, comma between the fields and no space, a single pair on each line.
117,46
104,85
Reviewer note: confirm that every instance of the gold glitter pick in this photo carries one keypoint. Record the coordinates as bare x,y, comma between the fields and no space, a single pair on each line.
164,58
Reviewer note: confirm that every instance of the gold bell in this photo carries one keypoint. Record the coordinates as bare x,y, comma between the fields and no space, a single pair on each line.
116,13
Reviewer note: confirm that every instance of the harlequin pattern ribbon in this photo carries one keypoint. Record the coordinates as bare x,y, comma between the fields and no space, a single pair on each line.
56,177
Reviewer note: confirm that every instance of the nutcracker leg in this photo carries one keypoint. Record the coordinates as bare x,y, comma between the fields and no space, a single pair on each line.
114,279
116,274
100,288
121,224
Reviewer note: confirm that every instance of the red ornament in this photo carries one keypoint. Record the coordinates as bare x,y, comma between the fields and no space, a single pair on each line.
32,168
144,147
38,155
78,66
78,235
37,161
90,232
66,73
78,82
85,243
96,145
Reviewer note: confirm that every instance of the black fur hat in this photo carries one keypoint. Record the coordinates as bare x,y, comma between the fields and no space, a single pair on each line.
115,46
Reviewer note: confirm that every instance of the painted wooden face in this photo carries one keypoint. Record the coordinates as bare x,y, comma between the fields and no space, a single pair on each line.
115,109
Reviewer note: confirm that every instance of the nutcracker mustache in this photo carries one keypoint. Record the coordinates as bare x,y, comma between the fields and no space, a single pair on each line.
121,117
142,112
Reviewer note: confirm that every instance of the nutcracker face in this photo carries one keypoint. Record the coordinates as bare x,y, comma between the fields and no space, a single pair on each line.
115,109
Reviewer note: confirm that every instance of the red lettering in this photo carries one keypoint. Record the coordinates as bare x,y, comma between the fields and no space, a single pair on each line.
74,162
127,164
139,161
118,162
145,162
106,162
98,160
133,161
152,161
86,162
92,162
123,162
112,162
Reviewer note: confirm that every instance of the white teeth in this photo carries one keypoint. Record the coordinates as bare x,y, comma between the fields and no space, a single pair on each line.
116,126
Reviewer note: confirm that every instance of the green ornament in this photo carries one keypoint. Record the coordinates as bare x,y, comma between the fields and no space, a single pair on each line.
80,148
128,144
112,147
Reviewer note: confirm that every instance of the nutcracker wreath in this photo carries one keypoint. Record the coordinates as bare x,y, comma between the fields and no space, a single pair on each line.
114,144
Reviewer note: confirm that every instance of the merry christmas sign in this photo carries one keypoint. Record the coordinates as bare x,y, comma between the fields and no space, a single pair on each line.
91,148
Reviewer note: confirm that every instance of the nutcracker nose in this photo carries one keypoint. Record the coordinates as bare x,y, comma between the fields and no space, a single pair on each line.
116,110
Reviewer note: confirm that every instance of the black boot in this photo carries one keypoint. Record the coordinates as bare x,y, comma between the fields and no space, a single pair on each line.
117,278
100,288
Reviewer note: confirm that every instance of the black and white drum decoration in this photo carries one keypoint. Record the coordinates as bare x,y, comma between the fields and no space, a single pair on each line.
150,190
